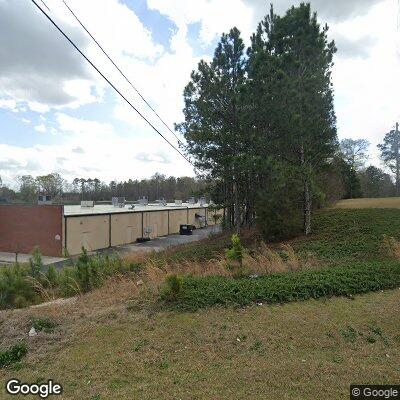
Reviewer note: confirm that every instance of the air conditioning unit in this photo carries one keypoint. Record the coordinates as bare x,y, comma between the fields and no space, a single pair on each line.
162,202
191,200
202,201
144,201
118,202
178,202
44,199
87,203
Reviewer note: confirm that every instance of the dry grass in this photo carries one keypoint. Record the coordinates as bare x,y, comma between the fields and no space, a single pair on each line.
296,351
390,247
260,261
384,202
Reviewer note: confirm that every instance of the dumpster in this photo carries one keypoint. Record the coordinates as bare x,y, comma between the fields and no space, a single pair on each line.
186,230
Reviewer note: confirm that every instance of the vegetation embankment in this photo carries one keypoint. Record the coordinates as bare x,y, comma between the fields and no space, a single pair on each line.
115,324
354,251
22,285
350,252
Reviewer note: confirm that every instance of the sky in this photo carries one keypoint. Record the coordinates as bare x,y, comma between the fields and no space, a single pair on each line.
58,115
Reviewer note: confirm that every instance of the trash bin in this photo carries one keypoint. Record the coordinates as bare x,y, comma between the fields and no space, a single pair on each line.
186,230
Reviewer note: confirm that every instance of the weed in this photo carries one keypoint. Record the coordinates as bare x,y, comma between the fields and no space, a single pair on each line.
172,288
140,344
164,365
12,355
349,334
46,325
257,345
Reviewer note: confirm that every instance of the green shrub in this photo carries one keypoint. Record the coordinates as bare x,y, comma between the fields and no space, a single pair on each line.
68,285
52,276
35,263
172,288
235,256
13,354
16,287
198,292
46,325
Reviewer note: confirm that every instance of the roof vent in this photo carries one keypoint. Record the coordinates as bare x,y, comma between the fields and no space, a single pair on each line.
118,202
162,202
87,203
144,201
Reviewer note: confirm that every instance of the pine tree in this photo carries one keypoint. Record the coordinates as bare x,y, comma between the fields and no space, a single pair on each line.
290,62
213,127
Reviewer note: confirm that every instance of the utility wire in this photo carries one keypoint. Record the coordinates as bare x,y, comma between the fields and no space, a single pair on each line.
42,1
119,70
106,79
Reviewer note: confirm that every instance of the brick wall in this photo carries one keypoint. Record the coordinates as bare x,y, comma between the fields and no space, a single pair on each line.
22,228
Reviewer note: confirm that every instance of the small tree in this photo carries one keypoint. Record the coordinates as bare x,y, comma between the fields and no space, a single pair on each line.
390,154
235,256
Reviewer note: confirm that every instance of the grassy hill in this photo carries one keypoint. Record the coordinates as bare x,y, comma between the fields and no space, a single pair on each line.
117,342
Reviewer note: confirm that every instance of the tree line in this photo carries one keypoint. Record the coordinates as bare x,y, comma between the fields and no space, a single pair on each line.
157,187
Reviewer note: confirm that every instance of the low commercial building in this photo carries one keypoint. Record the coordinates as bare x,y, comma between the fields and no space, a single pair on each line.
58,230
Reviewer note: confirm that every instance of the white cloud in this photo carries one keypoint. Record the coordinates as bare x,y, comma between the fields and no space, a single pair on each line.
35,61
40,128
9,104
89,149
214,16
43,73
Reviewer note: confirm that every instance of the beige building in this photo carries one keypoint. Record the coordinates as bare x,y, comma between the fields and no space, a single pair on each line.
104,226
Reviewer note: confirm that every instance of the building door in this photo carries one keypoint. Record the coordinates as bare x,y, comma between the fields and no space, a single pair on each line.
129,234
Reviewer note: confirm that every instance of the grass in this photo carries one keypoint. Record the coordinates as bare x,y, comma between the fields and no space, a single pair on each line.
383,202
341,237
291,351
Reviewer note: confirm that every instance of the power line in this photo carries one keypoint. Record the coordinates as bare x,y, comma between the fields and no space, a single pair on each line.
119,70
42,1
106,79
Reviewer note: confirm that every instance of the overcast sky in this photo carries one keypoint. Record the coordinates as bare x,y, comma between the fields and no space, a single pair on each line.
57,115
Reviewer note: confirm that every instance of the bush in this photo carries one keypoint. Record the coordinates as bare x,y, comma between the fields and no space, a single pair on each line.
235,256
22,285
35,263
198,292
46,325
13,355
16,289
172,288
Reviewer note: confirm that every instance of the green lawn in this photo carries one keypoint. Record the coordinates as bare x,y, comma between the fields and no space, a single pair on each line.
342,236
314,349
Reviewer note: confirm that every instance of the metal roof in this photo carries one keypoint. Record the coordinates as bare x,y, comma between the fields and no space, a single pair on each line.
99,209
